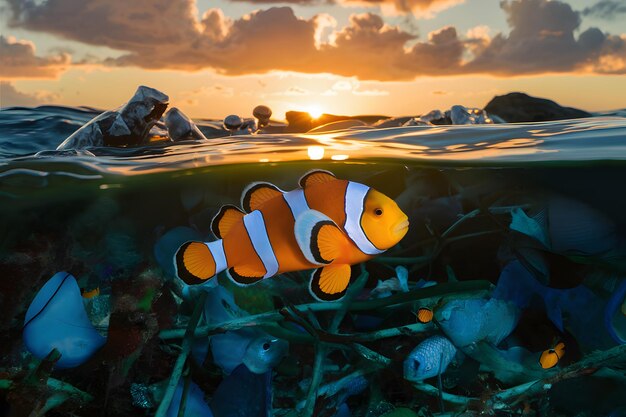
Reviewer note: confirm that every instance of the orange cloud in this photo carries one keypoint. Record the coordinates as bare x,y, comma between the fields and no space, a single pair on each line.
18,60
421,8
426,8
542,39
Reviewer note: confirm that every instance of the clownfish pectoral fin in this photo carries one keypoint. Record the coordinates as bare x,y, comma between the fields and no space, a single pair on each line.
224,220
196,262
318,237
331,282
317,176
257,193
243,275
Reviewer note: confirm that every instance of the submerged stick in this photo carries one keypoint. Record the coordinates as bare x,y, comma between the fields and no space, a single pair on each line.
322,349
586,366
320,356
371,355
55,385
400,299
179,365
451,398
185,393
407,330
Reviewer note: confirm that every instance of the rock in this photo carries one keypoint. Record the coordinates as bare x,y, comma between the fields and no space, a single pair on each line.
129,125
263,114
299,121
232,122
248,127
180,127
520,107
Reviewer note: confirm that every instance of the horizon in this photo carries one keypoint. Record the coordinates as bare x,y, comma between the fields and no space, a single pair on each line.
387,57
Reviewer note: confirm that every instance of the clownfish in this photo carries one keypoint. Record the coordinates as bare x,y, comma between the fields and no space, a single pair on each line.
550,357
328,224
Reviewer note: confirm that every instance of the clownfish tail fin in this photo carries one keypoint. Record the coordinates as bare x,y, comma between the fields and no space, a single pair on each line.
197,262
225,219
318,237
330,283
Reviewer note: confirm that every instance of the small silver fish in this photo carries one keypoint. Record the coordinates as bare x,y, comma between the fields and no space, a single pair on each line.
265,352
429,358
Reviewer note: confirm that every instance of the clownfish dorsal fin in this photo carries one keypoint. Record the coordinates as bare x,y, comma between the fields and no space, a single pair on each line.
257,193
331,282
225,219
317,176
318,237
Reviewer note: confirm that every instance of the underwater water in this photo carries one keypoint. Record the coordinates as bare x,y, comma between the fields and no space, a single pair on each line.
507,296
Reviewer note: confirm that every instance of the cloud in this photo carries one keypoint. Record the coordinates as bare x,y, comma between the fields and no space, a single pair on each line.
300,2
10,96
421,8
18,60
293,91
606,9
542,39
352,86
371,93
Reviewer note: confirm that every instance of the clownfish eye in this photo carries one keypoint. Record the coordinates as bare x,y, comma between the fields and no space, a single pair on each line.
266,346
378,212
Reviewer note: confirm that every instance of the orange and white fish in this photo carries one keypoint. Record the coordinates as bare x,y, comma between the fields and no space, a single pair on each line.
328,224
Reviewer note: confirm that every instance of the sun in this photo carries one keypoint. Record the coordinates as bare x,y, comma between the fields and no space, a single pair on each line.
315,111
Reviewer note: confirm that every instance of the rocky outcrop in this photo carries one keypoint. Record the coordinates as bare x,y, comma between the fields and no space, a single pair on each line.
520,107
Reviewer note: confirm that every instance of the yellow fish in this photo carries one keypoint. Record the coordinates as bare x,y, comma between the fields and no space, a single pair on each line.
328,224
550,357
90,294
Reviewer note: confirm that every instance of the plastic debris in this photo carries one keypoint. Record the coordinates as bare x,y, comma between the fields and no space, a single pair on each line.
56,319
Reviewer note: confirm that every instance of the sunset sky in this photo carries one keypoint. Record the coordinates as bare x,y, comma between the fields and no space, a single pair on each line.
394,57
